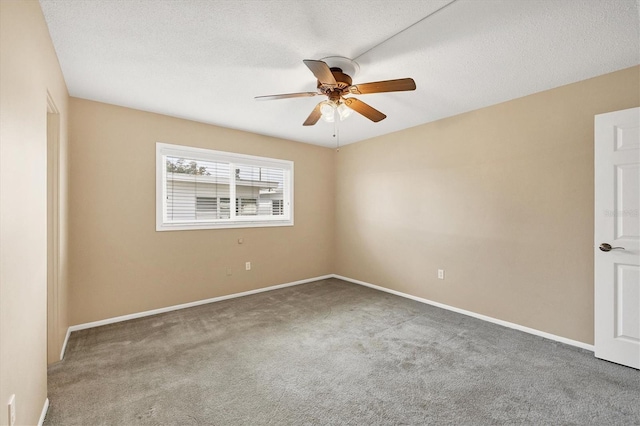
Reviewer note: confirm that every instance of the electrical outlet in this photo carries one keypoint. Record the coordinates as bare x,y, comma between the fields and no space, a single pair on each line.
229,272
247,266
441,274
12,410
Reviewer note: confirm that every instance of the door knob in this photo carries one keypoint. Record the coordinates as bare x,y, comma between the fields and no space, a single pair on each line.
607,247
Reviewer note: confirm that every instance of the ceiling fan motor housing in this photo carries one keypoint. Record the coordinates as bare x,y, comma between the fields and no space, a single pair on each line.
342,79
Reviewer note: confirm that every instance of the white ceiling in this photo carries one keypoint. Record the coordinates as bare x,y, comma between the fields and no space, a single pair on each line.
205,60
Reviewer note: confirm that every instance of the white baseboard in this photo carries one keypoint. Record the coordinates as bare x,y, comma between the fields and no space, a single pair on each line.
474,315
189,305
308,280
44,412
64,344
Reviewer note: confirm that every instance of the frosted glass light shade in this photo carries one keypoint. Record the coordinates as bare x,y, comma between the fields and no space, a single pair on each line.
327,109
344,111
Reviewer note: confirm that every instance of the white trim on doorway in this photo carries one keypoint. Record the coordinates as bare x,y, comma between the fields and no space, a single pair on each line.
43,414
64,344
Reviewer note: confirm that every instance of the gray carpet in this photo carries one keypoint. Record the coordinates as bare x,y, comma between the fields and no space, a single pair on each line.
331,353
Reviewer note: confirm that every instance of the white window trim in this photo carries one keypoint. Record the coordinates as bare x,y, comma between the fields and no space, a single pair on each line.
164,149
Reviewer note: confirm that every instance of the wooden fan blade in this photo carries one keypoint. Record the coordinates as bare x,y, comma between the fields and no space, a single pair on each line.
365,109
322,72
314,116
285,96
399,85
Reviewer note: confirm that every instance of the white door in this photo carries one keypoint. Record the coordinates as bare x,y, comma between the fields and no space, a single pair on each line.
617,237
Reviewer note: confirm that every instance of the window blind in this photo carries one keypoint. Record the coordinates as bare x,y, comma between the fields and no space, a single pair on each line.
193,188
207,189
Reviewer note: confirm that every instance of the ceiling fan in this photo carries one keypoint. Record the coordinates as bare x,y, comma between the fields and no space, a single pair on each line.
334,76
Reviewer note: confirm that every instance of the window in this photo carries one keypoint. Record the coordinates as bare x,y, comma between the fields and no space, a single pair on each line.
204,189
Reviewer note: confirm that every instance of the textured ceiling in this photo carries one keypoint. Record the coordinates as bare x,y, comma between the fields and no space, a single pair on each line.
206,60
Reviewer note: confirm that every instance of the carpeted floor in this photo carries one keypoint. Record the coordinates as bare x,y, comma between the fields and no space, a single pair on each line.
331,353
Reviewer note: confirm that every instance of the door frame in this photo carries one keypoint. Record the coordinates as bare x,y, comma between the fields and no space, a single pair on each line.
53,231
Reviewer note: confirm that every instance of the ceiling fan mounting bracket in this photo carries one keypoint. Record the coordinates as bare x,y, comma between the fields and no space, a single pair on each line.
346,65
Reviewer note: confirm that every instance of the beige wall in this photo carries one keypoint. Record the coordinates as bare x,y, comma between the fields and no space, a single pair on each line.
121,265
28,69
501,198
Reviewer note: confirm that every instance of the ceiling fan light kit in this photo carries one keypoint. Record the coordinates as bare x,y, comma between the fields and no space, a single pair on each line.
334,80
330,110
